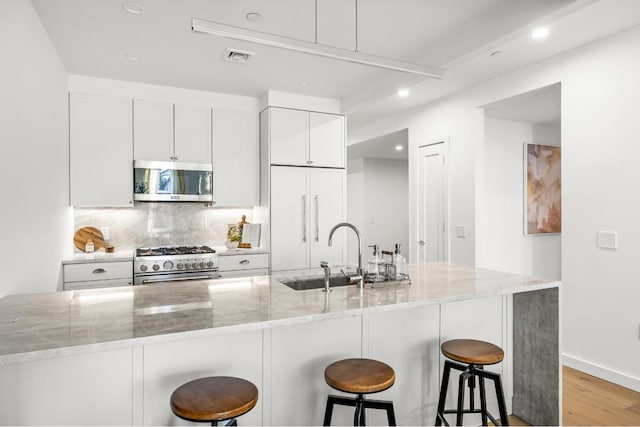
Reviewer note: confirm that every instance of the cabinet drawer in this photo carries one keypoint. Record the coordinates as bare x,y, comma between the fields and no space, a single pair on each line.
94,284
243,262
98,271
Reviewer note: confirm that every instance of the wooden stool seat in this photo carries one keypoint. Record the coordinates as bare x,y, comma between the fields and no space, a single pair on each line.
214,399
360,376
472,351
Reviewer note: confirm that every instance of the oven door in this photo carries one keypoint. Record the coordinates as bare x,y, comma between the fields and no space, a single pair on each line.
169,278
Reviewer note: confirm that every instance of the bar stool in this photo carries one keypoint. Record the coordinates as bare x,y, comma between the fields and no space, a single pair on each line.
214,399
360,377
475,355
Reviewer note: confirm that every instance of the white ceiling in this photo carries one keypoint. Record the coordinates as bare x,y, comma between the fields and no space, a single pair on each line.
382,147
540,107
93,38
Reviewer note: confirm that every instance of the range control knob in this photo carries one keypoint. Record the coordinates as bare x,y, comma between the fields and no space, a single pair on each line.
168,265
187,266
180,266
194,265
202,265
156,267
210,264
144,267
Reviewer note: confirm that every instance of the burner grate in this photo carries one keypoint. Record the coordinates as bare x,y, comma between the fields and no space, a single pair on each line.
174,250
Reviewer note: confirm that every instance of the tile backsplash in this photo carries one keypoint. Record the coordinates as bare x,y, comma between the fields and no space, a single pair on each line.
161,224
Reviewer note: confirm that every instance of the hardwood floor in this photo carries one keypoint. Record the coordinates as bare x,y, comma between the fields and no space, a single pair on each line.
588,401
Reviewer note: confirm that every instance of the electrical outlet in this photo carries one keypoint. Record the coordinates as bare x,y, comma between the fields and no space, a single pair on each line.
607,239
461,231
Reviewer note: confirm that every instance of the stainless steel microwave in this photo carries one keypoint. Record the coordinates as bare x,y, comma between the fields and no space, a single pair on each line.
172,181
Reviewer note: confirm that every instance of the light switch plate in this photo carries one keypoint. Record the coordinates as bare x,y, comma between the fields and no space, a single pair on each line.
607,240
461,231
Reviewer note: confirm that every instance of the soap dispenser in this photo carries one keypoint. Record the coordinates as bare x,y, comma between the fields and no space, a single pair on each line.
401,263
373,264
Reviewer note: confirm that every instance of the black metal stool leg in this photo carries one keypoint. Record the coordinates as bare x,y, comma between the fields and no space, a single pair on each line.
483,398
443,394
472,387
502,407
391,415
362,408
328,412
356,414
460,410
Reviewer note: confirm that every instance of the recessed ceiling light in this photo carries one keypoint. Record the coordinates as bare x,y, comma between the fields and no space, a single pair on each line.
132,57
399,147
403,93
254,16
237,55
133,8
305,83
540,33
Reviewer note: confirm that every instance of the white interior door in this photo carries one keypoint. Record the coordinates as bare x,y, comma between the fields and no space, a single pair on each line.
432,204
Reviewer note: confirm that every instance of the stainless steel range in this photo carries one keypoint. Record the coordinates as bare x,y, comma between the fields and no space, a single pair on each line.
174,263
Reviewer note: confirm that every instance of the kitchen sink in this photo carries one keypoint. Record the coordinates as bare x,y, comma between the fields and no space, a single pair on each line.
303,284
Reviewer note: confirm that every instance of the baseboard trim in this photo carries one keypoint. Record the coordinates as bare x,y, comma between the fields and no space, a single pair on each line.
611,375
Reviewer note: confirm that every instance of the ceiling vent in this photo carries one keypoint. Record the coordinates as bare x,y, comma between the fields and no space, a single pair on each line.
238,56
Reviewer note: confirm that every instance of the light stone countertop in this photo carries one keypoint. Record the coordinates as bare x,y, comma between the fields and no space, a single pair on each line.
101,256
48,325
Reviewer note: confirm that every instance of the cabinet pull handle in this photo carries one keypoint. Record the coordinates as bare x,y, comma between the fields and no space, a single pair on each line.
99,270
244,262
317,219
304,218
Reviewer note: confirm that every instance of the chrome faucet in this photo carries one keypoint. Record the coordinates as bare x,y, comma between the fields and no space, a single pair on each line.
327,273
360,271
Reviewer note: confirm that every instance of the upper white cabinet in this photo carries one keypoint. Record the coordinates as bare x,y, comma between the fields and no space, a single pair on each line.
305,138
101,151
165,131
235,158
192,133
326,140
152,130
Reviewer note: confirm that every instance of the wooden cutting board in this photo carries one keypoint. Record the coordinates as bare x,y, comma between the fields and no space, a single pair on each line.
85,234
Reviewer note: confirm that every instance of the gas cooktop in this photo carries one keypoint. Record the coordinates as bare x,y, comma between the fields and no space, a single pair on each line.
174,250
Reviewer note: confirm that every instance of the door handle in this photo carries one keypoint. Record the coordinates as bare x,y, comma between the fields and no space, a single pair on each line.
99,270
304,218
422,242
317,220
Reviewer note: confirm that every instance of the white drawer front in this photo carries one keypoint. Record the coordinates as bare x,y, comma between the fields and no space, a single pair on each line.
94,284
98,271
244,273
243,262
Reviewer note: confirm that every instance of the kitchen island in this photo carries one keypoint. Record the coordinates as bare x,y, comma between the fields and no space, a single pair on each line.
113,356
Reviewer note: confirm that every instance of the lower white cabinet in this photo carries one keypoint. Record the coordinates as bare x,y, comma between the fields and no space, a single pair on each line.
305,204
83,390
295,368
243,265
166,366
97,275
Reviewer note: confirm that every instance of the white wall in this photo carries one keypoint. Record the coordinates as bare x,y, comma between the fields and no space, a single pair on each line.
504,246
377,203
600,130
35,220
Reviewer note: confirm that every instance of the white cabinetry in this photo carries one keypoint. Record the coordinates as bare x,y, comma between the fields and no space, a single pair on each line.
245,265
306,138
97,275
165,131
305,204
101,151
235,158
